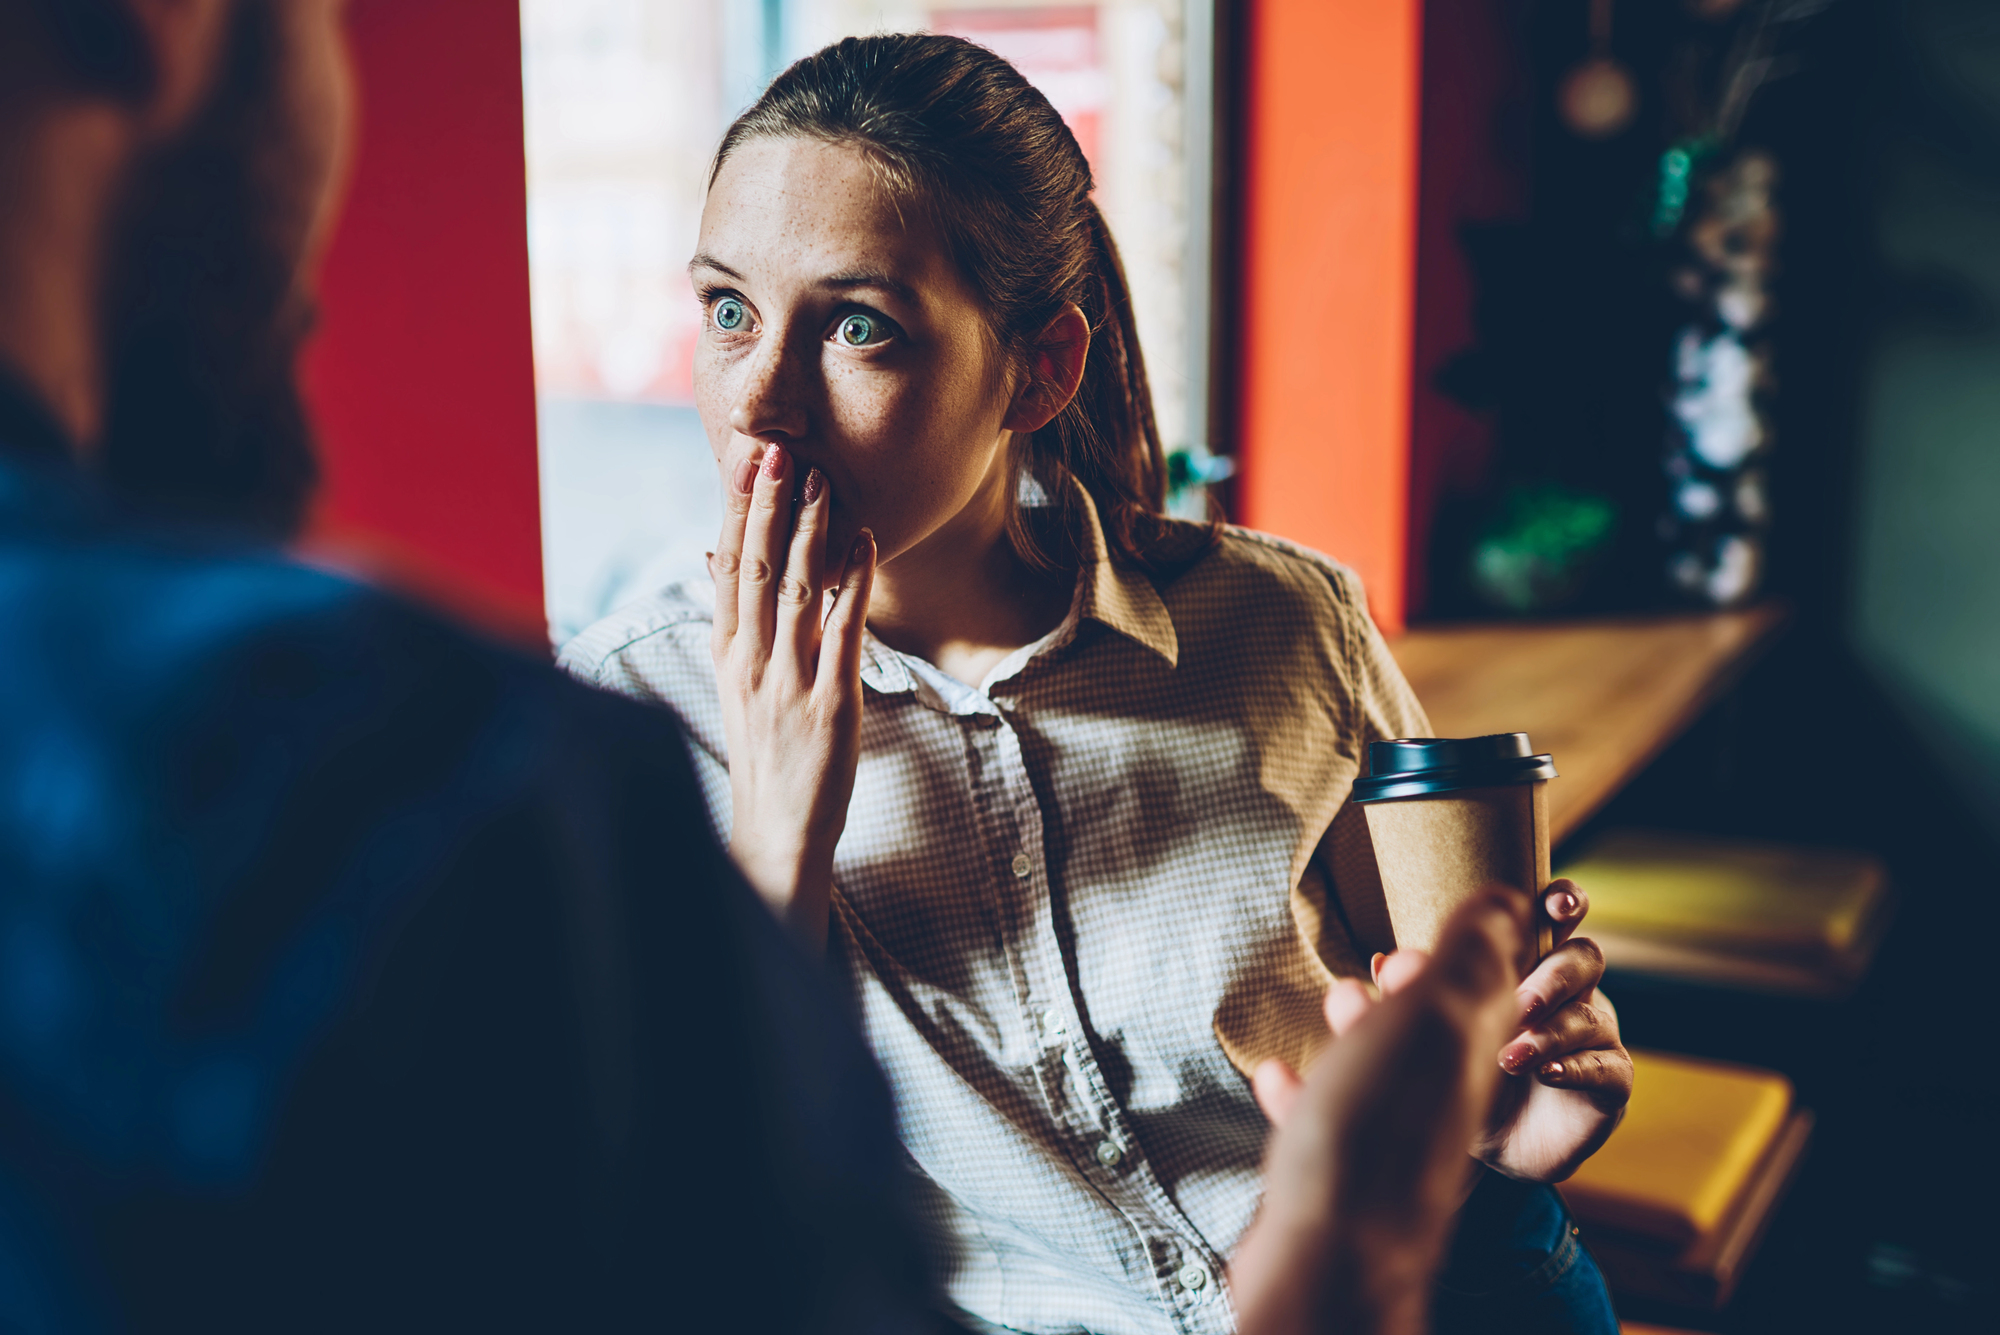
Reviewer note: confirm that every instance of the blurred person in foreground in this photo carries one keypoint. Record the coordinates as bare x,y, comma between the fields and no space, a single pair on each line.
355,974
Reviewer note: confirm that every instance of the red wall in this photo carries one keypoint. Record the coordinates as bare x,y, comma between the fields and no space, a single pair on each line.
1329,243
1476,108
422,375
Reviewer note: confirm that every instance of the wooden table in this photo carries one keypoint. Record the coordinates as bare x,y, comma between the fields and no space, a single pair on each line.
1604,696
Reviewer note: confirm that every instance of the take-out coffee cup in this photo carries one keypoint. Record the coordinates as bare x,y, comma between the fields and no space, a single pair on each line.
1450,815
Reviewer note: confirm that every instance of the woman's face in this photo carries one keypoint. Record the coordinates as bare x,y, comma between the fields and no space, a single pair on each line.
839,328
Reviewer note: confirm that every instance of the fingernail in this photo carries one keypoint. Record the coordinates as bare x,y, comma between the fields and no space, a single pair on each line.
774,462
1534,1007
1565,904
815,484
864,543
1517,1056
1553,1069
745,476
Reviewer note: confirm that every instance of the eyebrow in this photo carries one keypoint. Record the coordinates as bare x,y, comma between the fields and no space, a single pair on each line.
879,281
838,282
704,260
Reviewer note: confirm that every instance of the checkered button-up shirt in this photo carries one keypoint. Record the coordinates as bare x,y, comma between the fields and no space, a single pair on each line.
1076,902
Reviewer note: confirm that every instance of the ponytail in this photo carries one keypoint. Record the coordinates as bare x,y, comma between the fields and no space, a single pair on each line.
955,130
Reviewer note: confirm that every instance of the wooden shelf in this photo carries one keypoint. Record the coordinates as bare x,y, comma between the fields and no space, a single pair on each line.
1603,696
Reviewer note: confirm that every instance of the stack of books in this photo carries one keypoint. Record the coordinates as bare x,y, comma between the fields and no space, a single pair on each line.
1769,917
1674,1205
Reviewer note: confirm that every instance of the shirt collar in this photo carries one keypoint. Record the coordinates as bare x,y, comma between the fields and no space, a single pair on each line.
882,668
1121,599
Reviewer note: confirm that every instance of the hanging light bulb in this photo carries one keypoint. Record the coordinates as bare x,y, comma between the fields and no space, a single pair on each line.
1598,98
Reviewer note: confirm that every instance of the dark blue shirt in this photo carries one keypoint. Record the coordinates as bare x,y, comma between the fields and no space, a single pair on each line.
356,975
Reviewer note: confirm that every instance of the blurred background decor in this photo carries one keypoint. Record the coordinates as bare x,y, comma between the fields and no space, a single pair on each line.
1716,201
1719,437
1541,547
1622,272
1599,97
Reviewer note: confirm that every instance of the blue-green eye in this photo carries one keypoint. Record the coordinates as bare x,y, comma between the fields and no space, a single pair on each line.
728,315
858,331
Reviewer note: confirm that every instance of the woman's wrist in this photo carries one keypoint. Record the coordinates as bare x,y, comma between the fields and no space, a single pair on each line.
795,881
1321,1276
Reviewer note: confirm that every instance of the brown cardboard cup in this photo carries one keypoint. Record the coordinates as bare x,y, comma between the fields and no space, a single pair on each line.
1443,828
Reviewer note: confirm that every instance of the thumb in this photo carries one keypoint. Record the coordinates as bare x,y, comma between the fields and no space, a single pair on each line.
1277,1087
1346,1002
1396,971
1477,952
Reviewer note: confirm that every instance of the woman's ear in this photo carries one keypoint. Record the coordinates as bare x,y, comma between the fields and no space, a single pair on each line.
1055,369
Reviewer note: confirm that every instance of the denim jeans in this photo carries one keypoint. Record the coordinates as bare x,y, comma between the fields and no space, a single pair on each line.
1516,1265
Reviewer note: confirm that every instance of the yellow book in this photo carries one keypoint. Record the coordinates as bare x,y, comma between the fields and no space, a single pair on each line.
1773,900
1692,1139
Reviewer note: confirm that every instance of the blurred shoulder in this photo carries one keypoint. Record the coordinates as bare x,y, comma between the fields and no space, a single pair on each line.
150,641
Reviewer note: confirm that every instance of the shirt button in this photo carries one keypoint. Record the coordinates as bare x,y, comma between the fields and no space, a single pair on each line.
1193,1277
1051,1024
1109,1154
1022,866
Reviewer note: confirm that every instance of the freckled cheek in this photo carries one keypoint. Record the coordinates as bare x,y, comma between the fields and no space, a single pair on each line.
866,416
879,428
714,396
912,450
892,429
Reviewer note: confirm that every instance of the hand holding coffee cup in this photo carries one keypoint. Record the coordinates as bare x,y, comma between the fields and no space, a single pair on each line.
1448,816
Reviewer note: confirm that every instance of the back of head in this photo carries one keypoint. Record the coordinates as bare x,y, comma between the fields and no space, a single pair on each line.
956,131
200,305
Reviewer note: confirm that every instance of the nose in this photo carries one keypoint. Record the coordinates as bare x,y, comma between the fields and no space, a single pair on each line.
770,399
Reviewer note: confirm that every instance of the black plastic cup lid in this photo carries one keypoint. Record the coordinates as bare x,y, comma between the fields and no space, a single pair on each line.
1427,766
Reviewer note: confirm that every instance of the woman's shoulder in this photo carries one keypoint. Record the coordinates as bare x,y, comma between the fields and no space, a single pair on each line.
1282,608
1271,573
649,644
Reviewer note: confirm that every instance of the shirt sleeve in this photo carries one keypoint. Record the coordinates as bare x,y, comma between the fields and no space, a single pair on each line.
656,652
1337,902
1384,707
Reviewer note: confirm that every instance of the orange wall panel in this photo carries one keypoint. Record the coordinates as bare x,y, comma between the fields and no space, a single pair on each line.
1331,121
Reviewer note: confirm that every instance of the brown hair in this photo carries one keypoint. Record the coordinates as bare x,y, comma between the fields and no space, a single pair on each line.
203,318
956,130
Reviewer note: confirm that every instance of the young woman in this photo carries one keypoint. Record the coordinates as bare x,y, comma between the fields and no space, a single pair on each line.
1057,784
